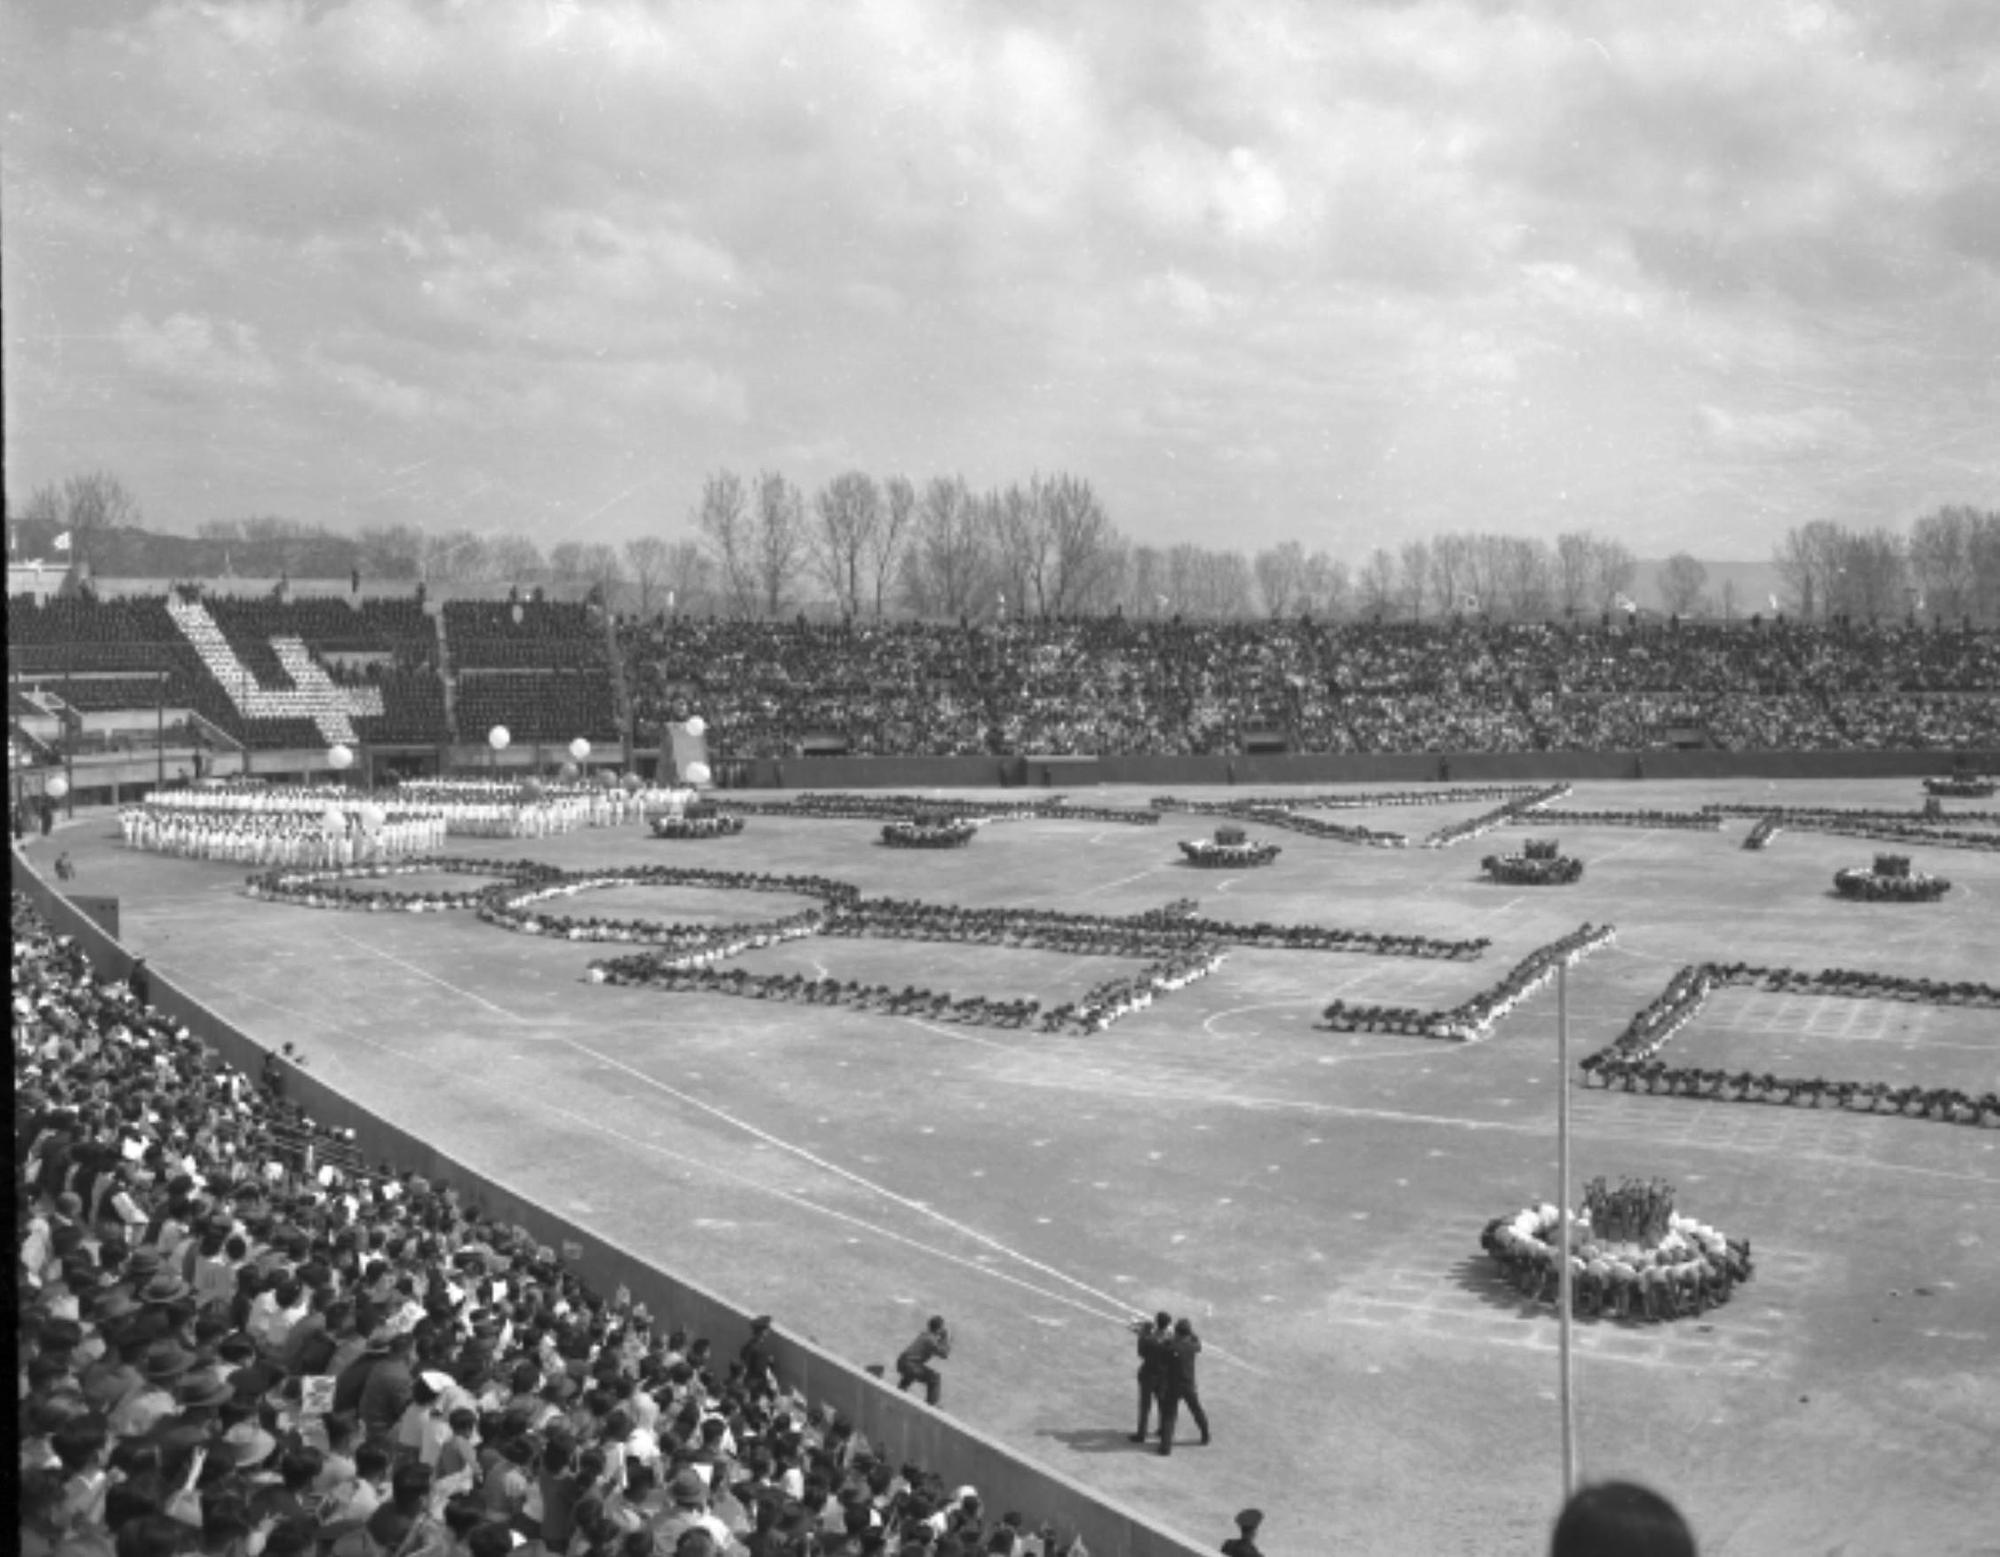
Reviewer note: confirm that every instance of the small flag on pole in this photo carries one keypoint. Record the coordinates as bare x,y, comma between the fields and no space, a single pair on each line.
1774,601
62,541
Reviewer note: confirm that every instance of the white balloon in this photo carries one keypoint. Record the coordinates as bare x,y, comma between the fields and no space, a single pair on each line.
579,748
697,773
340,757
498,738
57,787
333,820
697,727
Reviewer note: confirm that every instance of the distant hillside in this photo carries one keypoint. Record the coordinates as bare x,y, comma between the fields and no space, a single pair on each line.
1755,583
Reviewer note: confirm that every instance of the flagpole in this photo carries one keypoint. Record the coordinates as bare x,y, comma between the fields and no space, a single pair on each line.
1564,1295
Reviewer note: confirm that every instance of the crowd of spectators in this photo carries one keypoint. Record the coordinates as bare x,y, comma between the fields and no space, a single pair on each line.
1107,686
237,1339
1112,686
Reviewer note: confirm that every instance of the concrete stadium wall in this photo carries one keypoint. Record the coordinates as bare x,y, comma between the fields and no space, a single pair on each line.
1345,768
895,1424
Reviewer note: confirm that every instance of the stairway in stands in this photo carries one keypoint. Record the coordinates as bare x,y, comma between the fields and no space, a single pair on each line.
312,694
446,674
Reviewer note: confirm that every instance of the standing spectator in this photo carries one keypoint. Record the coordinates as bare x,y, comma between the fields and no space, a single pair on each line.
1244,1542
1155,1343
139,983
1620,1519
1181,1385
915,1361
65,868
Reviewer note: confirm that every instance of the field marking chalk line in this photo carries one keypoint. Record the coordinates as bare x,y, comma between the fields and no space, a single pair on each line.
512,1016
1109,1299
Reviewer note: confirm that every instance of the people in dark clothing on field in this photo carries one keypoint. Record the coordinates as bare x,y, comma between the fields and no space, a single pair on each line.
1620,1519
915,1361
140,982
1155,1357
1181,1388
1244,1542
65,867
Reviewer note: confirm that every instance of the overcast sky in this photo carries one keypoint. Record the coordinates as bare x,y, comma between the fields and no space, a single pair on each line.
1345,272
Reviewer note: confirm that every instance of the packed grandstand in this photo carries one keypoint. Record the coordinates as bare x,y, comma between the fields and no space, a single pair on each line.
237,1333
299,674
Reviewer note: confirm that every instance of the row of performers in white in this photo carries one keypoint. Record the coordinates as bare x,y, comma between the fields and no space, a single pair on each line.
300,837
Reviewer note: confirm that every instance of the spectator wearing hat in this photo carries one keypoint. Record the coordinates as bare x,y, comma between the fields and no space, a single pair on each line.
1244,1542
687,1491
387,1391
1620,1519
914,1363
162,1368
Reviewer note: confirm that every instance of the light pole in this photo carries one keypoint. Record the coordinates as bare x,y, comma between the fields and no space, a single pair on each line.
1564,1295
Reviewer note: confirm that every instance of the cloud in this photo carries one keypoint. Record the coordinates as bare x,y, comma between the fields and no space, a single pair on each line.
1352,269
190,350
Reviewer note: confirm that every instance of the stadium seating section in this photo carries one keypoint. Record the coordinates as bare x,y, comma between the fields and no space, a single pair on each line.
1112,687
1106,686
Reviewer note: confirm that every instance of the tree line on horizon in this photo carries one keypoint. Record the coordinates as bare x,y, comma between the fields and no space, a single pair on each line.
862,547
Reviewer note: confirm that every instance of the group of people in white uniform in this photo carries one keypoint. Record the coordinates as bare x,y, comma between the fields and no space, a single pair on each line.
257,823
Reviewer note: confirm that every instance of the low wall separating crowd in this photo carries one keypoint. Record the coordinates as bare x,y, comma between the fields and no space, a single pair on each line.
1039,772
901,1430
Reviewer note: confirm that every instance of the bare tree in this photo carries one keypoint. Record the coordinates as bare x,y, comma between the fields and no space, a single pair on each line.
1808,563
1872,576
389,551
1683,580
1612,569
1376,588
1575,570
1525,576
1329,587
1451,573
456,556
948,568
846,512
1146,592
1983,545
892,536
689,576
603,573
1414,577
1941,560
1281,577
722,520
1086,549
646,562
566,566
778,550
83,508
513,559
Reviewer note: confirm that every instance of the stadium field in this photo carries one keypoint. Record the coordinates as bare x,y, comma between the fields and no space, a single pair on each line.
1313,1199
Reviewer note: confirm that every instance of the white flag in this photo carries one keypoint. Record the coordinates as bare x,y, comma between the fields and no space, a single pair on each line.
62,541
1625,603
1774,601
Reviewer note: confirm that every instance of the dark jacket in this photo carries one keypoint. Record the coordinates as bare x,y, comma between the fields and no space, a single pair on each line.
1155,1356
1183,1351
